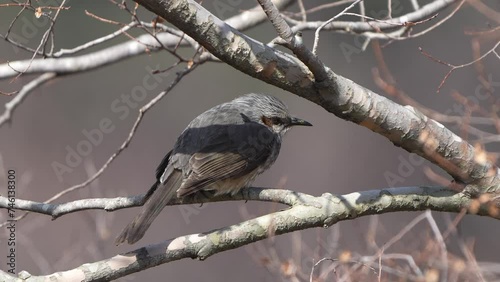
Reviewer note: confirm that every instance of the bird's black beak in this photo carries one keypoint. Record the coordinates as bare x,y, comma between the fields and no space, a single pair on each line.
298,121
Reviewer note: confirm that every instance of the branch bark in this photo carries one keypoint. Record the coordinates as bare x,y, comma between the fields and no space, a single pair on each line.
285,197
306,212
113,204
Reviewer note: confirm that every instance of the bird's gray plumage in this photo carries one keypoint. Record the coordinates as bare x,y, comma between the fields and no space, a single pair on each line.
223,149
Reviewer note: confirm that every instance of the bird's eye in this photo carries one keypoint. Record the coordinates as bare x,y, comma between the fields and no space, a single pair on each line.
267,121
270,121
277,120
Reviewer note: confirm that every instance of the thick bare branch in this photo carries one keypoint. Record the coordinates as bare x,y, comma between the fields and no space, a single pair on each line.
306,212
402,195
285,197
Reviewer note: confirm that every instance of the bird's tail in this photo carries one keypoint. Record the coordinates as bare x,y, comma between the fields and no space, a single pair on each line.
161,195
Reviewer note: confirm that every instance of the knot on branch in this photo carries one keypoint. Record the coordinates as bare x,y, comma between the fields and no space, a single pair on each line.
472,191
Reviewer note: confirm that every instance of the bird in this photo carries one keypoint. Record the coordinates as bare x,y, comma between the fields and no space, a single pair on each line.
222,150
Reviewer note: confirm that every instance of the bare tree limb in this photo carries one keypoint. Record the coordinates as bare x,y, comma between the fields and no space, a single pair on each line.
403,195
285,197
306,212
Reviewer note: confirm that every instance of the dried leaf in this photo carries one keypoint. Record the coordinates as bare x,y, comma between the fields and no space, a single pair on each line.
38,12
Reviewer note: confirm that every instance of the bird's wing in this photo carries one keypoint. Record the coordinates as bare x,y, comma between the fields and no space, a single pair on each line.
227,151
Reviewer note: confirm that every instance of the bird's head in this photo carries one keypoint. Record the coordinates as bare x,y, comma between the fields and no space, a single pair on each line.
269,111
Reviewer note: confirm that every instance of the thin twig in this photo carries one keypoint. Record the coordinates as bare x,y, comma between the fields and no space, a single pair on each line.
94,42
333,259
303,12
455,67
439,22
441,243
316,33
11,106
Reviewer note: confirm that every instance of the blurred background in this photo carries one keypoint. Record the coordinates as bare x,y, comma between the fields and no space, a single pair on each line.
333,156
